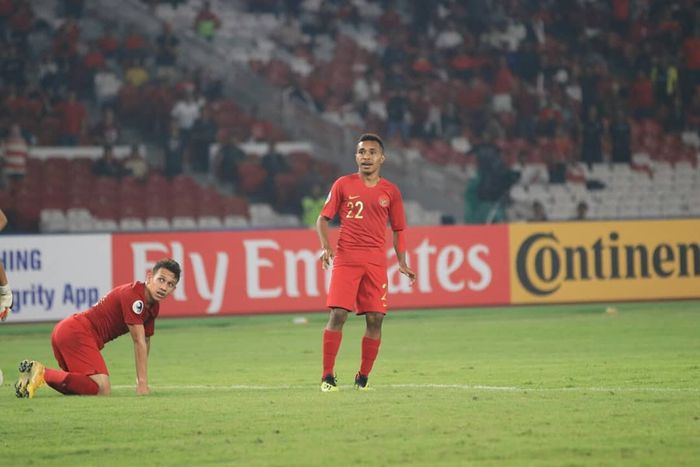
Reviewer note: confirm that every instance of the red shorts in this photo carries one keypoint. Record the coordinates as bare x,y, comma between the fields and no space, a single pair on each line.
75,347
359,287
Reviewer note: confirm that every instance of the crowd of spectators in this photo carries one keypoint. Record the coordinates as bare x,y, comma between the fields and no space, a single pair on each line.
553,80
76,82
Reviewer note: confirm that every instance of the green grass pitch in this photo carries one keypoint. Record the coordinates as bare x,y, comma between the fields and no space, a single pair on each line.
550,385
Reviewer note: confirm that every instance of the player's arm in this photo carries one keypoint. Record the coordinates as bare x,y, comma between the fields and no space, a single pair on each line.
400,249
330,209
5,290
397,218
5,294
326,249
138,336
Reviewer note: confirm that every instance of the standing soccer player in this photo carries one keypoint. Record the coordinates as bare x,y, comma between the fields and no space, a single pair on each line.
364,202
5,290
77,340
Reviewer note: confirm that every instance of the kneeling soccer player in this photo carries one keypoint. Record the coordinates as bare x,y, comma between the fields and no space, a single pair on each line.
78,339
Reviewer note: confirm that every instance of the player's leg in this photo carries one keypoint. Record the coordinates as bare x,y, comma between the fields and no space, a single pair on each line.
78,356
372,302
103,384
83,370
370,347
342,294
332,337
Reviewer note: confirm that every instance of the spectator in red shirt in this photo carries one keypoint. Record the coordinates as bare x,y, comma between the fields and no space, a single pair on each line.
78,340
691,56
642,96
108,44
21,22
621,16
93,60
134,45
503,81
73,119
65,41
15,152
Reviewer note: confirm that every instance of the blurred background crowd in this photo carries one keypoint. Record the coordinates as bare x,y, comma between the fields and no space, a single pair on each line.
222,114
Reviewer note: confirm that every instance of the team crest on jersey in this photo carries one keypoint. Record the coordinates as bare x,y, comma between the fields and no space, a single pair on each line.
383,201
137,307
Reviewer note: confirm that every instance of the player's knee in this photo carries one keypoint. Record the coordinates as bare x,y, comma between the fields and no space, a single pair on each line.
374,321
337,318
104,388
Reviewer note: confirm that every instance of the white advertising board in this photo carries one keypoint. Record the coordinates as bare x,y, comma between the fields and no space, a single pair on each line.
54,276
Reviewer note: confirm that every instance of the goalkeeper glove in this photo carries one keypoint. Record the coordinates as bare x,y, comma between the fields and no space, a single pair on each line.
5,301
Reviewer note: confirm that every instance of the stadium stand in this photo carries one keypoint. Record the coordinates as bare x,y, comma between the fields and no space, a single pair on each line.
439,79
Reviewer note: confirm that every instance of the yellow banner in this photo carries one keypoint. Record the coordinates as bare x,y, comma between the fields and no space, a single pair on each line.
602,261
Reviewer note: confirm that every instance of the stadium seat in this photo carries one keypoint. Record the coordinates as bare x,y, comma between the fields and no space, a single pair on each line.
105,225
252,177
79,220
52,220
183,223
261,214
157,223
235,221
235,205
209,222
131,224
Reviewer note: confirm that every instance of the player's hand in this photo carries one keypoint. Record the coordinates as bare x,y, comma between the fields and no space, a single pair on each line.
326,257
5,304
408,272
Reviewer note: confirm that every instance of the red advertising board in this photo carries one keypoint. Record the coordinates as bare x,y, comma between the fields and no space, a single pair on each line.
278,270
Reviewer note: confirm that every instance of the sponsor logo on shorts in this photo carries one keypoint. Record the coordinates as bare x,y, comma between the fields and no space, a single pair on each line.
137,307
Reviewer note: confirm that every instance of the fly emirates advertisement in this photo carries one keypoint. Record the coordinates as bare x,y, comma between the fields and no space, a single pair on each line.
279,270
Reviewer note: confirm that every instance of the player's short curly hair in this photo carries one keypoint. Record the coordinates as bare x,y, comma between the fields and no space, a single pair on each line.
169,264
371,137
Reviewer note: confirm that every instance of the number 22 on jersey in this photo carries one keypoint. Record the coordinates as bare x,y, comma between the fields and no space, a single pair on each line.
354,210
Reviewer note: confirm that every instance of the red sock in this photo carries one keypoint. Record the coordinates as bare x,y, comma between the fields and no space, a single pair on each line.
370,349
331,344
71,383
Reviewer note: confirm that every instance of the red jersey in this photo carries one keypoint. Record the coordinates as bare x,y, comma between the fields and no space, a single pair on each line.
125,304
363,213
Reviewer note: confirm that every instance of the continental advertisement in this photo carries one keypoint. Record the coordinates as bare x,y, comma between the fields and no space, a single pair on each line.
604,261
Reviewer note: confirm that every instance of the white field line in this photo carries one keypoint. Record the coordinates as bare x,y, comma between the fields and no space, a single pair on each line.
471,387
